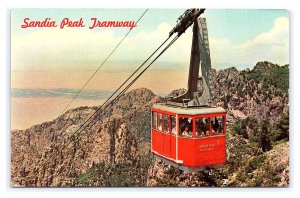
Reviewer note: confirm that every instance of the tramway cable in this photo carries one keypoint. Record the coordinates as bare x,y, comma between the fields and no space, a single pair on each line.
110,54
110,103
179,29
192,121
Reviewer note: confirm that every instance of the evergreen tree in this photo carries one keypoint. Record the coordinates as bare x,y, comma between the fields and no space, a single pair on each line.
282,128
265,140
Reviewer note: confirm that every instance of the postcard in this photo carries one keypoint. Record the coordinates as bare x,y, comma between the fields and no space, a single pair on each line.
149,97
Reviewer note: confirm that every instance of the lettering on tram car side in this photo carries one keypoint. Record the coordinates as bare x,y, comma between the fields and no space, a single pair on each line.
207,147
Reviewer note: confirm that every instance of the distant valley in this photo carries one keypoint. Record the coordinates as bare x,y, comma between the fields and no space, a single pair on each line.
87,94
115,149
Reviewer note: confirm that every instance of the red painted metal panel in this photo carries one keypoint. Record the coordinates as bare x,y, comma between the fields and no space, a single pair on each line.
157,141
167,145
202,152
154,140
173,147
160,143
194,152
186,150
210,151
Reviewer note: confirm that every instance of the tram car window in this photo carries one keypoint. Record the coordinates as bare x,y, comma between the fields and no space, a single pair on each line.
173,125
202,127
217,125
206,126
159,127
186,126
221,121
166,123
154,120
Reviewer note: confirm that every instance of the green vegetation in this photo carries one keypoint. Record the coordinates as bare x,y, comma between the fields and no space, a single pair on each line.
265,141
88,177
262,133
244,175
174,177
277,76
240,128
169,178
115,175
249,143
281,131
254,163
142,128
249,158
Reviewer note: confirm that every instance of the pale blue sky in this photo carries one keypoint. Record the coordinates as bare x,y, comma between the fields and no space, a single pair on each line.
238,37
241,25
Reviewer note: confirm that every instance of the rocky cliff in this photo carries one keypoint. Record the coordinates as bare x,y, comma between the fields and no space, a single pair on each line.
49,154
257,112
115,149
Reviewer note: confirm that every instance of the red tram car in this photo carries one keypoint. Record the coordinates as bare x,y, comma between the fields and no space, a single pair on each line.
187,131
191,139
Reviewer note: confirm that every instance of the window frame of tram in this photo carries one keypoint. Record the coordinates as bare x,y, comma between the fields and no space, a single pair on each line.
173,125
166,125
203,127
160,122
212,126
207,129
154,120
186,123
218,125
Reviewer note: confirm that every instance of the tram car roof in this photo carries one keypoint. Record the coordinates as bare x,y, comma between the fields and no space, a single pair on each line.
188,110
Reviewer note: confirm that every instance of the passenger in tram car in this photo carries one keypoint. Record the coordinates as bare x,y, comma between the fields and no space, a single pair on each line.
186,123
221,121
207,133
213,132
212,125
206,125
202,134
200,131
222,131
159,127
173,130
183,123
205,120
216,125
190,124
186,132
160,122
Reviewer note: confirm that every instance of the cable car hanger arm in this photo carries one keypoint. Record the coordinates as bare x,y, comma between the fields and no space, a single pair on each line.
200,56
186,20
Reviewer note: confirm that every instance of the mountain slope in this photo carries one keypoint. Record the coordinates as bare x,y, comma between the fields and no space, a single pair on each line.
48,155
115,149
